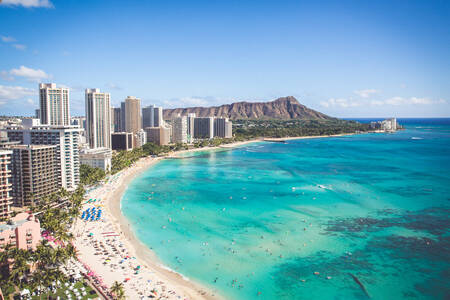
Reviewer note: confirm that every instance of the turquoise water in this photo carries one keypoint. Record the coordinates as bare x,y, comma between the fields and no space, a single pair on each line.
257,222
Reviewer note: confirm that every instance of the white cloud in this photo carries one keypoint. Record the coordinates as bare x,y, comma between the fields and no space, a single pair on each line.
376,102
194,101
7,39
14,92
19,46
27,3
339,102
30,74
365,93
113,86
6,76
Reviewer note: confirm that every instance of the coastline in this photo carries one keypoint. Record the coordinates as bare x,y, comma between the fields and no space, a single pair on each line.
111,194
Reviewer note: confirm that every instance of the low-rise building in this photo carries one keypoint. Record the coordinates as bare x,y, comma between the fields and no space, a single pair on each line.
122,141
22,231
97,158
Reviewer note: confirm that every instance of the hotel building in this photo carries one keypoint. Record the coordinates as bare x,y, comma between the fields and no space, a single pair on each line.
190,127
33,173
204,128
122,141
54,105
132,114
179,130
5,183
97,158
98,118
158,135
148,116
65,138
23,232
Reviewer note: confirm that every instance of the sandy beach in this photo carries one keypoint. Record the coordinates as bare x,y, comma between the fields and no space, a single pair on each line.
110,249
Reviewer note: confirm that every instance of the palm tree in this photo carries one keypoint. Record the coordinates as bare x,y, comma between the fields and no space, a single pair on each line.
117,290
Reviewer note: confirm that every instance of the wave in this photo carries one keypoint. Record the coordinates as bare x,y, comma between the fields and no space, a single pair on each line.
416,138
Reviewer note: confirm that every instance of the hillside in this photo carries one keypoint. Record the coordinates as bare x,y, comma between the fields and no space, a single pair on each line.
285,108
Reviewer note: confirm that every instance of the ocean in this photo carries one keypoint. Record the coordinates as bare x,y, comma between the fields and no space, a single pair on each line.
347,217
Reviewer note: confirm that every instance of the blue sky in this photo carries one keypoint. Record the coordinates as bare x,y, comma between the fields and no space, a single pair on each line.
344,58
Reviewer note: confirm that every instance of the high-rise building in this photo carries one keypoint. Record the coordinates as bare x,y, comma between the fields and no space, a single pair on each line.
98,118
190,127
37,114
158,116
66,139
117,119
122,117
148,116
54,105
122,141
228,129
204,128
132,114
179,130
158,135
33,173
5,183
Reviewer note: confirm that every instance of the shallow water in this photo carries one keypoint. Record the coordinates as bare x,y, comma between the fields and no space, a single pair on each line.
257,221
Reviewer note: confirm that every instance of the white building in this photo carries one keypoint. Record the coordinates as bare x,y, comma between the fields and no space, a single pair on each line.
97,158
54,105
179,130
66,139
30,122
140,138
158,120
98,118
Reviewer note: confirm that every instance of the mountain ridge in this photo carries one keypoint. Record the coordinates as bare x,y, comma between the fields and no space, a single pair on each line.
283,108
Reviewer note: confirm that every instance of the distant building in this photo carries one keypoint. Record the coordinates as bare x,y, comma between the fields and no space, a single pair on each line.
148,116
5,183
158,116
158,135
132,114
30,122
79,122
33,173
66,139
54,105
228,129
122,141
97,158
190,127
37,114
98,118
122,117
22,232
140,138
204,128
117,119
179,130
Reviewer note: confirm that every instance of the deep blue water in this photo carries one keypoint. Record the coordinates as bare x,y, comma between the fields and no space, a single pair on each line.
258,221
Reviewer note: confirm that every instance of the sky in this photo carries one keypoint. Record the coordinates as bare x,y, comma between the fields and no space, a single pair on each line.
344,58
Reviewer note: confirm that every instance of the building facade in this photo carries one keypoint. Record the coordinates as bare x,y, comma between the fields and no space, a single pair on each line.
122,141
97,158
140,138
33,173
148,116
54,105
65,138
190,127
22,232
98,118
158,135
5,183
158,116
132,114
204,128
179,130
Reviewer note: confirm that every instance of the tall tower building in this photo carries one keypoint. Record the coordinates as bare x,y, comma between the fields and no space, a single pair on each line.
5,183
190,127
98,118
158,116
122,117
54,105
204,128
116,119
132,114
179,127
148,116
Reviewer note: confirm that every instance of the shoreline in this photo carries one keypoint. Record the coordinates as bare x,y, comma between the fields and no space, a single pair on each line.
111,194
